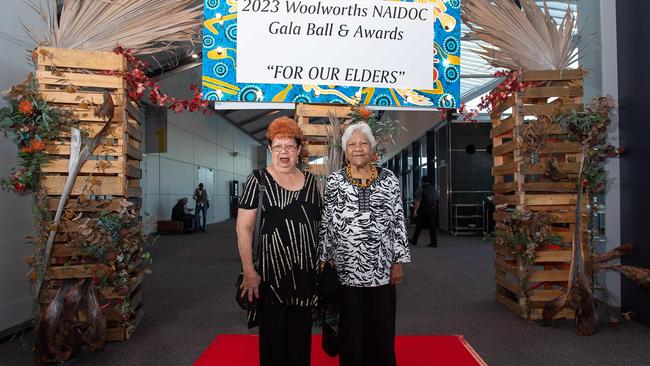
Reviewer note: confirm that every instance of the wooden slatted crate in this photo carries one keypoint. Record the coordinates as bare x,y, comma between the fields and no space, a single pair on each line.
313,119
76,80
547,183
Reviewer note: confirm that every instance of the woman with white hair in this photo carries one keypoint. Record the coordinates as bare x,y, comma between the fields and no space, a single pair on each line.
363,234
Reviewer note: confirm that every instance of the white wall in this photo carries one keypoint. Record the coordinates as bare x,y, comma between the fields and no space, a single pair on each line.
597,22
416,124
193,140
15,216
609,72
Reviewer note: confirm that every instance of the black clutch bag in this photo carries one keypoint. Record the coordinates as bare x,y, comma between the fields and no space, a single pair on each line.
330,342
241,301
328,287
328,283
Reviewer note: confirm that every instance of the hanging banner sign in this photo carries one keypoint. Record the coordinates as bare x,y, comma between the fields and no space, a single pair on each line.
335,43
374,52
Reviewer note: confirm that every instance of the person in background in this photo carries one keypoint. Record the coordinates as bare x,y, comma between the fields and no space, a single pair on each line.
424,212
179,213
363,233
201,207
285,279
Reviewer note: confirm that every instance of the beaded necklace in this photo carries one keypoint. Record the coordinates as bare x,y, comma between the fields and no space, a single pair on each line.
357,182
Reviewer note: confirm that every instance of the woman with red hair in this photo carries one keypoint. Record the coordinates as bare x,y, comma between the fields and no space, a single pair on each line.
284,278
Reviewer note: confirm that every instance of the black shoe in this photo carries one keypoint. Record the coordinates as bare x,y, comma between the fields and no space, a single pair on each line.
433,245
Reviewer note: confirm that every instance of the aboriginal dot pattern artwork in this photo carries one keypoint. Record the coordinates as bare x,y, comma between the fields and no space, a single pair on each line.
220,57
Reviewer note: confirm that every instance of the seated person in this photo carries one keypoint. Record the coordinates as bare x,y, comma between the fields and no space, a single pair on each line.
179,214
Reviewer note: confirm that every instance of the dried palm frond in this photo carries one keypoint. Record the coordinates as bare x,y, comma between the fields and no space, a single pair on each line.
526,38
335,157
145,26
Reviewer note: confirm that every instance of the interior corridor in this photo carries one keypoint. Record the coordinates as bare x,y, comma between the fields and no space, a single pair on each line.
448,290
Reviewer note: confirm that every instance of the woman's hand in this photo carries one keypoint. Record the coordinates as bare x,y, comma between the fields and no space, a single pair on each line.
250,285
396,273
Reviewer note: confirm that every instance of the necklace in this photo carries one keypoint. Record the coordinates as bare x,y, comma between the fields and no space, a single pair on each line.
357,182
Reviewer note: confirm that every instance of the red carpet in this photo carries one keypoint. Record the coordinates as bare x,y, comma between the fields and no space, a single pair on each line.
241,350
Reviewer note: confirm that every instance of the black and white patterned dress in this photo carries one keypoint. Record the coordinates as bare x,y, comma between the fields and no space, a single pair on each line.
289,239
363,230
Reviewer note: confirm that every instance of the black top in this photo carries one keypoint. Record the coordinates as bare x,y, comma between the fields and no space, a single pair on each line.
288,259
178,212
427,197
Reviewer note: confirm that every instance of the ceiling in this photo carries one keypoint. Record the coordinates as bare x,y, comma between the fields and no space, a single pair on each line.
254,121
476,77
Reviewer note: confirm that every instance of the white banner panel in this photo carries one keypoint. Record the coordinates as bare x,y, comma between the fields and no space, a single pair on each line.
365,43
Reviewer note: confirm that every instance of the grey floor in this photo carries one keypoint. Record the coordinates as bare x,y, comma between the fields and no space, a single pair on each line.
448,290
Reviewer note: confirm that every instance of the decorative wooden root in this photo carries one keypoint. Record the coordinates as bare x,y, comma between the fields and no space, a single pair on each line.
75,315
83,83
536,169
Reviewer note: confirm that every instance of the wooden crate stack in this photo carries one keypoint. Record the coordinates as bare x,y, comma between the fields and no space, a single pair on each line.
518,183
75,80
316,133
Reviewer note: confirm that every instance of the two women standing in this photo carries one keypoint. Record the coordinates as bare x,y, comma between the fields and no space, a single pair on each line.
361,231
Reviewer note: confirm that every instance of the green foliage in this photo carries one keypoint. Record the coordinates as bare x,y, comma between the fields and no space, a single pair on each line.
522,232
590,128
580,124
31,122
593,178
113,238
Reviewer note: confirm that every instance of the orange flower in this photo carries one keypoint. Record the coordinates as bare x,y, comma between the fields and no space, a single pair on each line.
37,145
25,107
365,113
34,146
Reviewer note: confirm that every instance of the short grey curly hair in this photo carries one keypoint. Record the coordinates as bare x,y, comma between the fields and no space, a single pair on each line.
361,127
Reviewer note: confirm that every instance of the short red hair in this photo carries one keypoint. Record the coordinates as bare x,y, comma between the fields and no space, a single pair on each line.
284,127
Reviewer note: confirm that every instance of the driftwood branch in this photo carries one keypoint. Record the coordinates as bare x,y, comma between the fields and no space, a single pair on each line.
553,307
639,275
586,315
578,295
620,251
77,159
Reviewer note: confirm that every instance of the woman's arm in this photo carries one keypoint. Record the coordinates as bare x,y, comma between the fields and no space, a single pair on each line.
245,231
246,218
400,249
325,233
